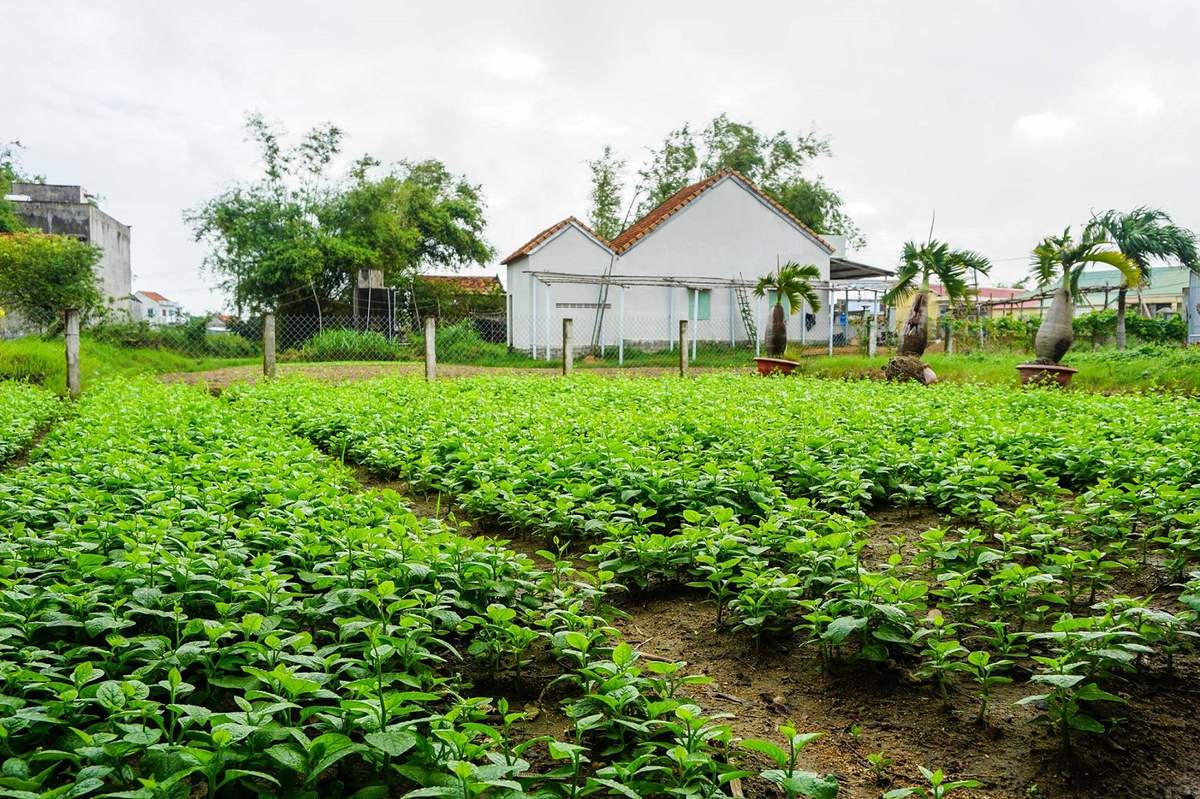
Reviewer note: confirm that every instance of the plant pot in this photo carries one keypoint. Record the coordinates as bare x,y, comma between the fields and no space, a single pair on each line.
770,366
1043,374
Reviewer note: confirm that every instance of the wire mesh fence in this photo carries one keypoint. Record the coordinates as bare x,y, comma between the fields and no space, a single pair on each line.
482,339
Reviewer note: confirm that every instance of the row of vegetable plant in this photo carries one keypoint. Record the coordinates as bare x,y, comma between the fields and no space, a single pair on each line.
25,410
195,601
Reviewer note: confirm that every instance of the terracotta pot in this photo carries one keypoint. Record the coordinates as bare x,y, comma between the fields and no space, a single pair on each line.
767,366
1045,373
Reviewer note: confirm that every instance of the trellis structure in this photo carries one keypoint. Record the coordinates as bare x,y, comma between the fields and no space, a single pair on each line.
872,288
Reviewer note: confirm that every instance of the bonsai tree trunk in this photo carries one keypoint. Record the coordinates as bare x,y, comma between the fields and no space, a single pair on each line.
1056,333
915,336
777,337
1121,292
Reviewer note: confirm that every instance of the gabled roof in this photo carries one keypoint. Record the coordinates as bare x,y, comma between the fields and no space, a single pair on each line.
152,295
687,195
470,284
537,241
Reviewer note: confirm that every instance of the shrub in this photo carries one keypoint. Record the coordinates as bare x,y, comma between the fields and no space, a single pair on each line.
191,338
350,345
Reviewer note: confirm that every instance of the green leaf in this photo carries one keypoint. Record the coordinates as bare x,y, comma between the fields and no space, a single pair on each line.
394,742
840,628
288,756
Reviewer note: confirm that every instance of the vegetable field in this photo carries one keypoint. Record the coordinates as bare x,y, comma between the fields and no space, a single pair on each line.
25,411
716,587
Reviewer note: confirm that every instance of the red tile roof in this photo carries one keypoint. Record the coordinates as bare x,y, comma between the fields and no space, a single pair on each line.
531,245
682,198
473,284
154,295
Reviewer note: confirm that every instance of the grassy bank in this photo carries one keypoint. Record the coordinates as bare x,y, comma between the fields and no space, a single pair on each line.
43,362
1143,369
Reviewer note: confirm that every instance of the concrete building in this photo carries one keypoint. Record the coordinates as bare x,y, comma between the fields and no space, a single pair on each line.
1165,294
695,256
152,307
69,211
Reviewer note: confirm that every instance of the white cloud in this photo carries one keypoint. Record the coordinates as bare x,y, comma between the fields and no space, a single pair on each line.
511,64
861,208
1044,126
1136,98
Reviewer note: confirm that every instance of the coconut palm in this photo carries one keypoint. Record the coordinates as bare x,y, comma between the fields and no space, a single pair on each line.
1145,235
919,264
789,282
1062,259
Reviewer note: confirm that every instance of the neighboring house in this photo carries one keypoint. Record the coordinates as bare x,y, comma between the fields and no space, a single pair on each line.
451,296
694,256
157,309
69,211
219,323
993,300
1162,296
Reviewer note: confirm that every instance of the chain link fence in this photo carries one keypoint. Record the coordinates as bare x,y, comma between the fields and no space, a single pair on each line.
30,348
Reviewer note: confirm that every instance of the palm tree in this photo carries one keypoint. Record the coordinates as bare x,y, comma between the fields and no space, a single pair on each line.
918,265
1063,259
1145,235
789,282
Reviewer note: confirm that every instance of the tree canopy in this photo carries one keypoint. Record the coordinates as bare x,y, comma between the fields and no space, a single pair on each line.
778,163
41,274
297,235
605,217
9,221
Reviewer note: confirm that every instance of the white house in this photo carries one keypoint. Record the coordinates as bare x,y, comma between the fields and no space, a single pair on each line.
696,254
157,309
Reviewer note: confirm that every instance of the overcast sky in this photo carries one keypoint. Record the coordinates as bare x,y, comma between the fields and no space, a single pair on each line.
1011,119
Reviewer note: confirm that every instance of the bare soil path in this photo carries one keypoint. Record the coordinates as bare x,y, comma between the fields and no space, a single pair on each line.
217,379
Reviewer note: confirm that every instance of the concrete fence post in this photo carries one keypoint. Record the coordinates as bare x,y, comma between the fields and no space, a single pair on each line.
568,349
74,386
872,335
430,348
683,348
268,346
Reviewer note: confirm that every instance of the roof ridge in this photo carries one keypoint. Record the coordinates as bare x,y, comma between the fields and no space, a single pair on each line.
540,238
681,198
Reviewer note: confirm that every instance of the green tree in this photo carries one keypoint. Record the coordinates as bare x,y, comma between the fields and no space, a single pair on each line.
9,221
265,241
777,163
1145,235
295,237
42,275
605,217
1062,259
668,169
791,283
417,216
919,265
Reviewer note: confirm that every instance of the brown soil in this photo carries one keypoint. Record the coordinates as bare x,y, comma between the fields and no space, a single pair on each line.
22,458
218,379
1155,753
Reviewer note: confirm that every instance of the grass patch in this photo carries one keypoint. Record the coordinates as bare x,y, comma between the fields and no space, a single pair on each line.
1141,369
43,362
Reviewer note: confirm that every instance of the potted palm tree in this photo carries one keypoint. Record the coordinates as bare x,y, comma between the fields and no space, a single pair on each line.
789,282
919,266
1058,262
1145,235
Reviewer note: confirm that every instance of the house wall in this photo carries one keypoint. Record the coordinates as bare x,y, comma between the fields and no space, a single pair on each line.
570,251
727,233
59,210
114,267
